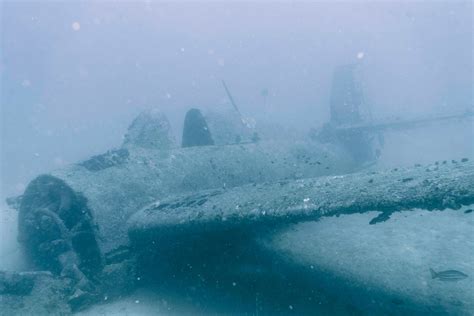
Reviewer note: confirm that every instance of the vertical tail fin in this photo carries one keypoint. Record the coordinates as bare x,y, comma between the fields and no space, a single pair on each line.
434,275
346,96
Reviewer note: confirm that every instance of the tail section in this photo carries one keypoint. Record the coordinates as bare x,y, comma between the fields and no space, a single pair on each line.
434,275
346,97
347,104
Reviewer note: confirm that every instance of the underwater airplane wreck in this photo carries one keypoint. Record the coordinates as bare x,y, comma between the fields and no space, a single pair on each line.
92,229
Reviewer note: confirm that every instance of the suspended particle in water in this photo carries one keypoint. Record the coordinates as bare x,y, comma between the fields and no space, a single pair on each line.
76,26
360,55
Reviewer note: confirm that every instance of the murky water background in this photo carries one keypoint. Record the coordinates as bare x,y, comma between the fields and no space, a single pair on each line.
75,74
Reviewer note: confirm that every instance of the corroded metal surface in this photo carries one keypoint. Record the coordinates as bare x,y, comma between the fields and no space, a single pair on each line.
118,183
440,186
72,221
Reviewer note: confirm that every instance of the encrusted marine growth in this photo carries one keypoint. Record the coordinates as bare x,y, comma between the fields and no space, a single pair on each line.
151,129
57,230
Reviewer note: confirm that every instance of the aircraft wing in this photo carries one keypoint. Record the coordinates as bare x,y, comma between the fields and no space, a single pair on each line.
449,185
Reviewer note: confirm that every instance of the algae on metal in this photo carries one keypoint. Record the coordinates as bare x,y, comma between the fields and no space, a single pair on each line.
433,187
